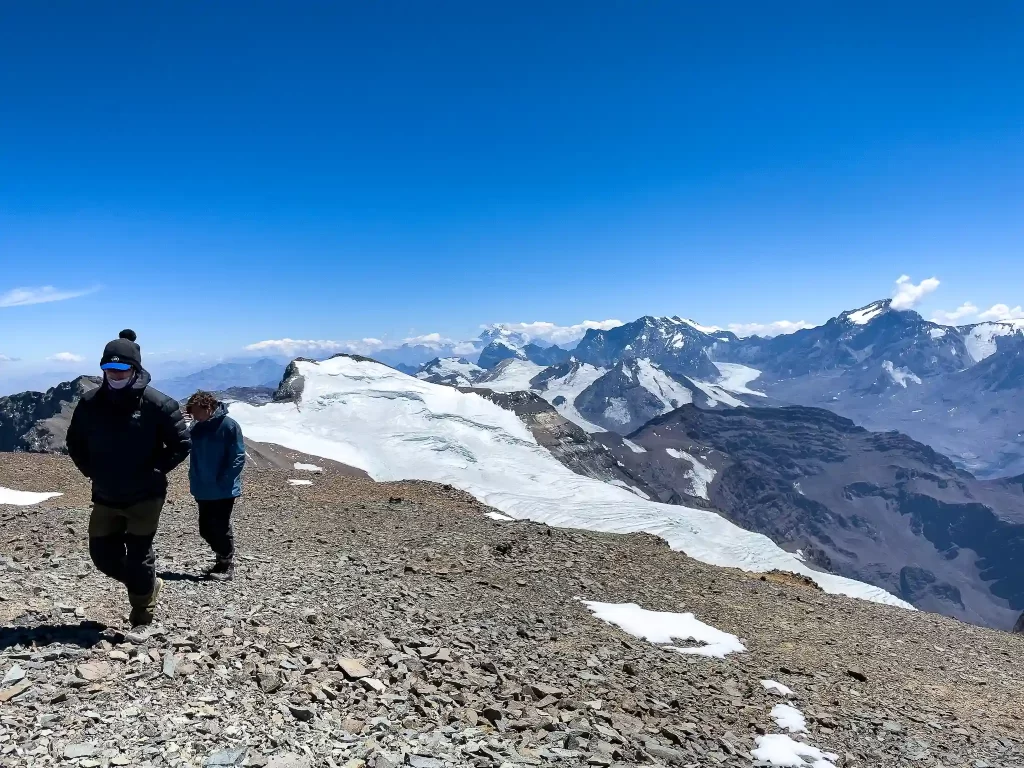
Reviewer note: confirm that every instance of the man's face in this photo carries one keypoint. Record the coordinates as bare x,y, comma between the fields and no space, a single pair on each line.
115,375
199,413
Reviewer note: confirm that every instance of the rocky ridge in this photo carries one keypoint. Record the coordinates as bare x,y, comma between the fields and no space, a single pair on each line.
38,421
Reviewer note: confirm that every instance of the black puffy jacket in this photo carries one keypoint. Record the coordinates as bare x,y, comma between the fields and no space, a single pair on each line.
127,441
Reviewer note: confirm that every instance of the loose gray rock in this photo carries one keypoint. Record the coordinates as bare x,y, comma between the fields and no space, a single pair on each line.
170,666
93,671
82,749
226,757
303,714
857,674
353,669
290,760
15,675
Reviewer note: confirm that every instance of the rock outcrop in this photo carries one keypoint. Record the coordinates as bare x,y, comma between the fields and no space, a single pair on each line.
38,421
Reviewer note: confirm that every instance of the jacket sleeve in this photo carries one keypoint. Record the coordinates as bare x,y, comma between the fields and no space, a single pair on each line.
78,445
176,439
234,453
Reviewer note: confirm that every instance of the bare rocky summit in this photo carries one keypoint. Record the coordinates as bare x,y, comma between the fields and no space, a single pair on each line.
397,624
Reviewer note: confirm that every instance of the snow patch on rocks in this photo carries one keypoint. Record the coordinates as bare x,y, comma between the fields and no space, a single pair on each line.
773,685
900,376
700,475
662,628
778,749
789,718
23,498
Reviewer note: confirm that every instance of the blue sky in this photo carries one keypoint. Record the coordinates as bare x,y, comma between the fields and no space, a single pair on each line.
219,174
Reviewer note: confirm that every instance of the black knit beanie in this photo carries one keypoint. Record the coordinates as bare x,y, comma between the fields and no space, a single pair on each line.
123,349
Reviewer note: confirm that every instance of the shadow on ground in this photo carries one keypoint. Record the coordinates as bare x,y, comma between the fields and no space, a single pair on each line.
85,634
175,576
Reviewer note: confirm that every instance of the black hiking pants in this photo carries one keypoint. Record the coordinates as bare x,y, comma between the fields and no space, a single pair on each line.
121,543
215,526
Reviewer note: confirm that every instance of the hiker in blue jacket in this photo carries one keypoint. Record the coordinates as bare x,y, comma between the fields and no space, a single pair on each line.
215,477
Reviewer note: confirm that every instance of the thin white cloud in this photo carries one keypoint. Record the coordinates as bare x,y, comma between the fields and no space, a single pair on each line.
66,357
554,333
8,359
967,309
777,328
907,294
316,346
1002,312
549,332
22,297
366,346
434,340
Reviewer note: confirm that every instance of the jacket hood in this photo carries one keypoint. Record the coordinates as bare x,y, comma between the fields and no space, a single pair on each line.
142,379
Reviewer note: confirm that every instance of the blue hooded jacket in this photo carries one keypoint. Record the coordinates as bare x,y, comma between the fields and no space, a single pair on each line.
217,458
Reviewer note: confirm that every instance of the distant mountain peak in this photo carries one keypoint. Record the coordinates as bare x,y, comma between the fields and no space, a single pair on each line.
500,332
453,371
866,314
673,343
710,330
499,350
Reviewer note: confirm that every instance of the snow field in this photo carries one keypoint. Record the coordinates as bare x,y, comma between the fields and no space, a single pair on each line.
397,427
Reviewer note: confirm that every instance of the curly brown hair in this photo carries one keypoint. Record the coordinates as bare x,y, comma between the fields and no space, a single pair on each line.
201,399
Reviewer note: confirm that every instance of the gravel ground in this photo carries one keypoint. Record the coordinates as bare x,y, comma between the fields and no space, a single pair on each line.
395,623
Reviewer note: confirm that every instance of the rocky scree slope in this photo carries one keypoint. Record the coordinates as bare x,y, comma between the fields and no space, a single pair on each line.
386,624
877,507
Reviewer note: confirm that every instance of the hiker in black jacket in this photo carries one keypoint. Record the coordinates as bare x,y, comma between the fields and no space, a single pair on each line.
126,436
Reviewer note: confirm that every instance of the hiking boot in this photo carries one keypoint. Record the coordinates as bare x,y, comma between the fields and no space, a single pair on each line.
144,606
222,570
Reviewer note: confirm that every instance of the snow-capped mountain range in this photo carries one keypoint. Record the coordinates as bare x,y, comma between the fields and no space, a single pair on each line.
954,388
